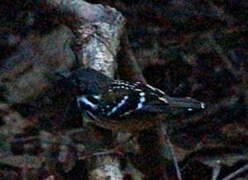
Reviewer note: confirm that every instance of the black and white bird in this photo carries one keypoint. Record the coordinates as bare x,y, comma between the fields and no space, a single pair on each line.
123,105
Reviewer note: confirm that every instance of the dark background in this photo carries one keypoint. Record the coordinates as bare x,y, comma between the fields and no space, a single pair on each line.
186,48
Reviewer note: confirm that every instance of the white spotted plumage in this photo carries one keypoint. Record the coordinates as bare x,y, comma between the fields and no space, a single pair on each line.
140,105
114,109
144,95
163,99
97,97
108,100
141,100
123,106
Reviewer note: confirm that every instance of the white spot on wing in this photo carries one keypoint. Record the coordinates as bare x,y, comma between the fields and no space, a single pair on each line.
142,100
152,88
84,100
203,105
114,109
142,94
126,113
163,99
140,105
123,85
155,89
97,97
162,92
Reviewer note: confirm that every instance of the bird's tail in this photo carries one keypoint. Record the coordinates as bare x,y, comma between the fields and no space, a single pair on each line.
187,103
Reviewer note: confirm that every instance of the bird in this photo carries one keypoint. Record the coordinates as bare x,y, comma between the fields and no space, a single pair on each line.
120,105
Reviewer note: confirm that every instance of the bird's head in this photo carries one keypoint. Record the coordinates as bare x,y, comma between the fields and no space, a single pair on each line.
85,81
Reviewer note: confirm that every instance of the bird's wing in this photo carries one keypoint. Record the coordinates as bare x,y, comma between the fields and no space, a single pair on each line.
125,98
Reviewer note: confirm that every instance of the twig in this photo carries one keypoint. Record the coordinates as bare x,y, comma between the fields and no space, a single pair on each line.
164,130
216,172
239,171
